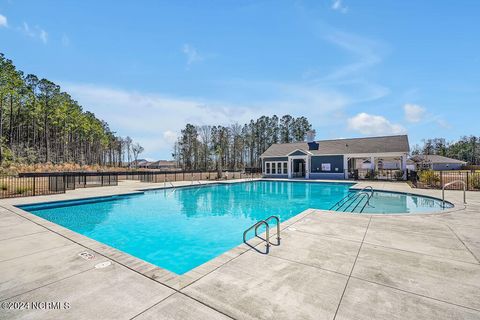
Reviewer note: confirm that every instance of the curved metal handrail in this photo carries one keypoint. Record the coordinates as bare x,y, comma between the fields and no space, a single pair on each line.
267,233
449,184
277,219
371,190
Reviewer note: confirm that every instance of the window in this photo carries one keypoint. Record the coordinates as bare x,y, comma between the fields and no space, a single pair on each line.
276,168
326,167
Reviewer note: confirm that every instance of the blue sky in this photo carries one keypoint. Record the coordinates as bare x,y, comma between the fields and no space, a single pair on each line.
354,68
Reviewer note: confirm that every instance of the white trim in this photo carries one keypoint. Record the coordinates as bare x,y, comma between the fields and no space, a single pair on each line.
306,153
277,164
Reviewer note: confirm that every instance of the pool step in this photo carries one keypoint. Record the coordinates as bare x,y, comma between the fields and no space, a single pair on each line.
354,202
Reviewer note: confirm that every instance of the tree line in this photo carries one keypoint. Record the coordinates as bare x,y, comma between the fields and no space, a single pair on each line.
467,148
39,123
235,146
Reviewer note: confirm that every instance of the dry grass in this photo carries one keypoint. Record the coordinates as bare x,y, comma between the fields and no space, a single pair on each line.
14,169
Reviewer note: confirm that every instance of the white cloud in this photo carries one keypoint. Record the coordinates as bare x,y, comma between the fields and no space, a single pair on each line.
337,5
65,40
442,123
35,32
155,119
3,21
366,54
369,124
413,112
192,54
170,136
43,35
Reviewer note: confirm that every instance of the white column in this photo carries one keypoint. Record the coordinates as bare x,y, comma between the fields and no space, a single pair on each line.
372,163
404,166
289,166
345,166
307,168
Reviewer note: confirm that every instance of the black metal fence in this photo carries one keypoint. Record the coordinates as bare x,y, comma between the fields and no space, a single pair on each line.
12,187
431,179
385,174
46,183
169,176
37,184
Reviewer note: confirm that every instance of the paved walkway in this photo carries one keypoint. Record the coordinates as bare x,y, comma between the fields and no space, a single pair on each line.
329,266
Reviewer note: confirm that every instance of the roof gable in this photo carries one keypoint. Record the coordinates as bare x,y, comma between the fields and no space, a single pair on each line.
299,152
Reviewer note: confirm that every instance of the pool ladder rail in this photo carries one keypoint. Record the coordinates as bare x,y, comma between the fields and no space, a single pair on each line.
171,184
257,225
354,200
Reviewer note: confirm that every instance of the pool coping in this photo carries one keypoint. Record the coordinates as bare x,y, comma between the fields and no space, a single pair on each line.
169,278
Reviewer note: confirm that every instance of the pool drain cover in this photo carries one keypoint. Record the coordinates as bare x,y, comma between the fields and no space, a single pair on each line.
87,255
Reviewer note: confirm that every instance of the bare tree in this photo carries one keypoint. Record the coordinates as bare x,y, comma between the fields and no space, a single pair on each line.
136,150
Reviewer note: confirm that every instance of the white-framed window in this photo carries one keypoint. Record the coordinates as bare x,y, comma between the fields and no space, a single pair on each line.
326,167
276,167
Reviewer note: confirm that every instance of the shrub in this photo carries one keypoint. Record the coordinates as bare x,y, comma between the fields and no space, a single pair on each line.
371,174
22,190
398,175
429,177
3,186
475,180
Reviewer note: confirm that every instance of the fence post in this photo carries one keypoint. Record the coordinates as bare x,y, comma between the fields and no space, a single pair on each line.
64,183
34,186
468,185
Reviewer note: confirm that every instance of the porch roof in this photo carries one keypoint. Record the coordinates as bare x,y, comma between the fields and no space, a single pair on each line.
371,145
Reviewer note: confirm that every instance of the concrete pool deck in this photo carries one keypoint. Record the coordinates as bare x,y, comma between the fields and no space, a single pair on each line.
328,266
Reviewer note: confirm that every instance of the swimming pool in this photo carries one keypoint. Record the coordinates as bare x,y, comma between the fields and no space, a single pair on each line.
180,229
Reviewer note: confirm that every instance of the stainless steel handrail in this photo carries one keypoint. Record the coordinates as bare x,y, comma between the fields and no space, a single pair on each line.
256,225
277,219
371,190
165,184
449,184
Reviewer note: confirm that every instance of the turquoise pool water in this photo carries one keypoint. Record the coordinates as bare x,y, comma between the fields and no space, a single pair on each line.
179,229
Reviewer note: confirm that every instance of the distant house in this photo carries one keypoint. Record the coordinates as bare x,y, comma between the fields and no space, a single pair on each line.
334,159
138,163
435,162
162,164
159,164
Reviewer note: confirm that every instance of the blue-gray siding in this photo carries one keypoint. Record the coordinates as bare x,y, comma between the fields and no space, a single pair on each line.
326,176
445,166
336,164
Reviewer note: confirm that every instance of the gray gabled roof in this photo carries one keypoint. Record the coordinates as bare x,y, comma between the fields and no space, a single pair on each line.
344,146
433,158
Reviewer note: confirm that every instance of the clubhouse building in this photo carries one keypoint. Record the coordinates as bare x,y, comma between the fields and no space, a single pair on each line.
334,159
